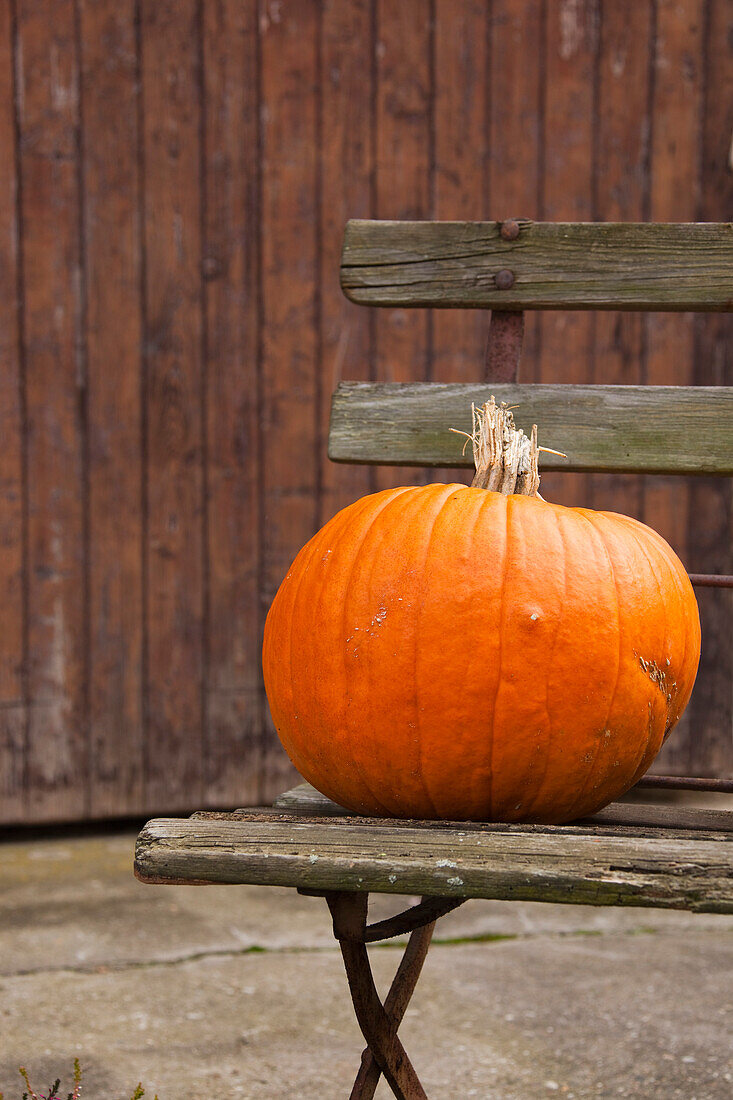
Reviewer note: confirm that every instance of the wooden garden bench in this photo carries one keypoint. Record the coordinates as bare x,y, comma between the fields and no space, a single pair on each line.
629,854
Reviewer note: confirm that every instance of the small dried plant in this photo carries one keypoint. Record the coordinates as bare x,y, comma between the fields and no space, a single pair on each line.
54,1094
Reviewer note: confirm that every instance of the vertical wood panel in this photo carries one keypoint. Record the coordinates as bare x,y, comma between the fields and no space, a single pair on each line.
234,711
289,51
711,501
173,396
567,340
461,65
674,190
12,690
48,98
113,337
516,128
346,172
621,184
404,149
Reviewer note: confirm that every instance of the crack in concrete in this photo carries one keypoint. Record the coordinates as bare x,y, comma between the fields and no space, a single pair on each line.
256,949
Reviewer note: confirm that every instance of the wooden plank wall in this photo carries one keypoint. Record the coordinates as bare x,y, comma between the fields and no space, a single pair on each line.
174,179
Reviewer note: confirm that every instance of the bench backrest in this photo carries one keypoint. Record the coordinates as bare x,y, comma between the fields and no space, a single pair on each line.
517,265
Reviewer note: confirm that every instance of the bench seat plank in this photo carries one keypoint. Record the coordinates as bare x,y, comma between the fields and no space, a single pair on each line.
305,799
555,265
593,863
652,429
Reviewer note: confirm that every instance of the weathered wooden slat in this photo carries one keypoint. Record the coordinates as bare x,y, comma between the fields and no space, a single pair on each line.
518,863
305,799
620,818
658,429
554,265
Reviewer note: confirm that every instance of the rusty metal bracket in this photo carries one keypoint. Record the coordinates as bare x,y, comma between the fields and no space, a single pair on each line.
417,916
379,1022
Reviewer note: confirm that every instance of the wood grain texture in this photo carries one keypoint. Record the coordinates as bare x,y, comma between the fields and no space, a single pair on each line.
461,168
403,144
173,399
516,140
567,343
683,266
460,171
48,120
288,227
233,696
153,127
664,429
639,816
346,186
711,502
13,713
112,245
674,158
570,864
620,189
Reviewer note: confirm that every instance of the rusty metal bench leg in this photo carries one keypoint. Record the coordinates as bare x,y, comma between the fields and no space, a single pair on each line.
395,1006
379,1022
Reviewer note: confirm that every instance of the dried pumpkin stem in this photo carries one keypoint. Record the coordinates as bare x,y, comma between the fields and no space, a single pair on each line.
505,458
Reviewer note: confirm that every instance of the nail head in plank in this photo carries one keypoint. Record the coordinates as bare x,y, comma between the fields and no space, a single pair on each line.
553,265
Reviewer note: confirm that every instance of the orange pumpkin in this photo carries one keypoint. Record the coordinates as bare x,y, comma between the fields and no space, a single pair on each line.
454,652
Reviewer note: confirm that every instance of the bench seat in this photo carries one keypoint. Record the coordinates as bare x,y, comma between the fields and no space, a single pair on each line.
628,854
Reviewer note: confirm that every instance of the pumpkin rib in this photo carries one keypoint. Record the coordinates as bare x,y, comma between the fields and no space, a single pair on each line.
633,773
313,545
551,725
350,519
423,779
395,495
483,500
502,613
298,750
275,614
643,765
590,775
677,572
640,767
399,521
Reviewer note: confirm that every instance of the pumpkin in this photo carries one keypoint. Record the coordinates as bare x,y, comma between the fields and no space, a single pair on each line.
478,653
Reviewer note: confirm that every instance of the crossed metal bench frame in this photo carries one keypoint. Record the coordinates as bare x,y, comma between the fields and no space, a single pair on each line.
379,1021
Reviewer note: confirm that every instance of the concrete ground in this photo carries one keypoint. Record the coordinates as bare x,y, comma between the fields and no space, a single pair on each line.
239,992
